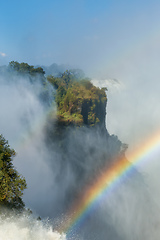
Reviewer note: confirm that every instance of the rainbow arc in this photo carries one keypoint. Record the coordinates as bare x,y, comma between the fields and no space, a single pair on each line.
107,182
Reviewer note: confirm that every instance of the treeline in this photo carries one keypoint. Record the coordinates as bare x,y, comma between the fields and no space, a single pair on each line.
78,101
25,68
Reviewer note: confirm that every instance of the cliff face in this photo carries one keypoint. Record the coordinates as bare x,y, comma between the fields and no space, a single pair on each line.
94,111
79,136
82,149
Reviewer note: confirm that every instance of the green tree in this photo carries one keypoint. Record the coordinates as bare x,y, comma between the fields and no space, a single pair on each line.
12,183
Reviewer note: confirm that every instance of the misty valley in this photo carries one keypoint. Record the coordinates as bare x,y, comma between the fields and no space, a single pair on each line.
63,176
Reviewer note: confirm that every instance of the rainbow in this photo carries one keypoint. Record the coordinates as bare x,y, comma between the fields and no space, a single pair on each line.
107,182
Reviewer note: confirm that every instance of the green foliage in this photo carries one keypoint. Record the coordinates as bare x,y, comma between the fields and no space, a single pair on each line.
11,183
78,101
25,68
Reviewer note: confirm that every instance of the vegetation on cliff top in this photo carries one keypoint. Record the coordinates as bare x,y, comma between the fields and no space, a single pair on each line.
78,101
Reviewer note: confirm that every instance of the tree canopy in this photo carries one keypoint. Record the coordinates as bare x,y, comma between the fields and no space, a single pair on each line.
12,183
78,101
25,68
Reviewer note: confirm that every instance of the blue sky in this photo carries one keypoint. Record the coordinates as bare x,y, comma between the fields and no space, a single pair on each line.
83,33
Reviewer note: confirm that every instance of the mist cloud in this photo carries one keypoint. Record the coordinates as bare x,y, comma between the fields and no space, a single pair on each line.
132,109
26,227
57,173
23,117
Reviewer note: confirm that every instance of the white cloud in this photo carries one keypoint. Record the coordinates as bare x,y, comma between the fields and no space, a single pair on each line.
3,54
